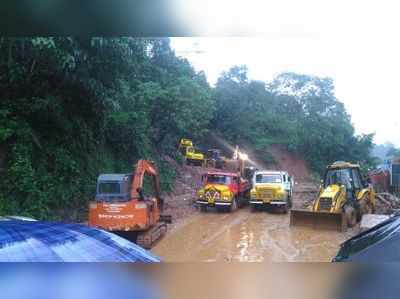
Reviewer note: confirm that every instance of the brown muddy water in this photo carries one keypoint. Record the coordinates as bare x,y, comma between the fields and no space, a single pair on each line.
245,236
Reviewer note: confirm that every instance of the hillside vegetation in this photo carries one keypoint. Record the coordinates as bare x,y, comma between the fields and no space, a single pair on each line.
72,108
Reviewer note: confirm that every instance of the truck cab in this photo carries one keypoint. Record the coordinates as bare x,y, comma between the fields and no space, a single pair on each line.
271,188
222,190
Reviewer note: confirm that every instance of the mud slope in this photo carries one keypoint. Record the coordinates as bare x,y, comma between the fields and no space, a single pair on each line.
293,163
180,202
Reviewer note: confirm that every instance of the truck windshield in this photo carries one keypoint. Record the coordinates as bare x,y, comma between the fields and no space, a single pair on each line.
109,188
268,178
218,179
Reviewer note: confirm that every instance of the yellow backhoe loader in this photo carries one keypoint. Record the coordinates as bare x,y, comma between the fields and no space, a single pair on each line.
342,199
191,155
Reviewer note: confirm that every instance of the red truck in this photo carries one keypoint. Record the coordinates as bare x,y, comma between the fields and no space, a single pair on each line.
224,190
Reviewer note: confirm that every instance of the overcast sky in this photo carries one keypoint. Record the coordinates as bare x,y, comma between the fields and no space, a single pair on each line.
356,43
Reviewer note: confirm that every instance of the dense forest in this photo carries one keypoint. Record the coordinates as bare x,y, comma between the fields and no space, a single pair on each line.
72,108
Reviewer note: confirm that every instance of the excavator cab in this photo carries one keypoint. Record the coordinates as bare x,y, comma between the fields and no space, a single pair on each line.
113,187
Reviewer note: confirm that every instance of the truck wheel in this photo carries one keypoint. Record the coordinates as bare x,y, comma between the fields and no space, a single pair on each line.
203,208
290,203
240,202
220,209
350,214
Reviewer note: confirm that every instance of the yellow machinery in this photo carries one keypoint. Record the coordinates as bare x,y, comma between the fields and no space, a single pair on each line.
189,152
342,200
183,144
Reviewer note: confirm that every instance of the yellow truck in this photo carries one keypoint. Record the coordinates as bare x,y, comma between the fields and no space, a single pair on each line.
271,188
191,155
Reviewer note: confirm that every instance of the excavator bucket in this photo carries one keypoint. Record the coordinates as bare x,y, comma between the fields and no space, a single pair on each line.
318,220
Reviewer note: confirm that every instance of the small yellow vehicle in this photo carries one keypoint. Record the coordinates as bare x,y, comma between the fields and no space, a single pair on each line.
191,155
342,199
183,144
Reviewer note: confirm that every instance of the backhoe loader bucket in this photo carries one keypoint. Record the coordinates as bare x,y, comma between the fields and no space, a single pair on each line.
318,220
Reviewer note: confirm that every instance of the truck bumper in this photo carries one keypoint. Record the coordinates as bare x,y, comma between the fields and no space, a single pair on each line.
217,203
272,203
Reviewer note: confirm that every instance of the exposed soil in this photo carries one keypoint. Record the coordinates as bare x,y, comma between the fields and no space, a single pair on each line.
180,202
291,162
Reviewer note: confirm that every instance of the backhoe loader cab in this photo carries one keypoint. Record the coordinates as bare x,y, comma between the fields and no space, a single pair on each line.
346,175
192,156
183,144
342,199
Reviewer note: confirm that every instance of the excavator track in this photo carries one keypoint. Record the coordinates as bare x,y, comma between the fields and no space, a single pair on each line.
148,238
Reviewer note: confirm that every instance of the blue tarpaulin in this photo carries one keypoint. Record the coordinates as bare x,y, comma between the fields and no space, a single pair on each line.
37,241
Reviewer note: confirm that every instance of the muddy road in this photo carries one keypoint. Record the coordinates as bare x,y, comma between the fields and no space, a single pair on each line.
246,236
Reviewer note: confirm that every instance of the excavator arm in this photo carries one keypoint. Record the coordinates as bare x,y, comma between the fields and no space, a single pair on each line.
143,168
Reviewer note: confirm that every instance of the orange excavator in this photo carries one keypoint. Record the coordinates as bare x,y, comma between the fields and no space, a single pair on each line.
121,206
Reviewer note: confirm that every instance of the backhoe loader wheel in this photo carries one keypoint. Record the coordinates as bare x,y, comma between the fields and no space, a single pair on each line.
350,214
366,206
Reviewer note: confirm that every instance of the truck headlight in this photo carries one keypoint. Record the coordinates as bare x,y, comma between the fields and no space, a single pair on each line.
280,195
200,193
226,196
